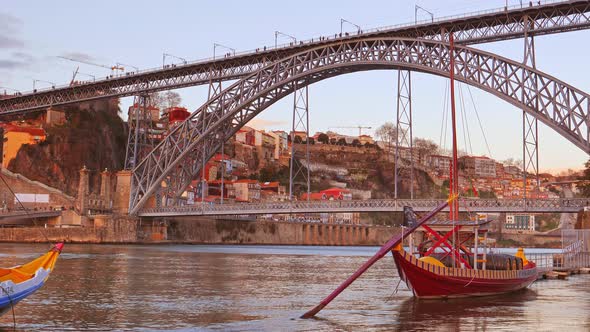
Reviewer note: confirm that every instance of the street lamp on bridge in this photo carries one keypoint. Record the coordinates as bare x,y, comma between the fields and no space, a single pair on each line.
48,82
164,55
416,8
342,21
89,75
216,45
122,65
277,33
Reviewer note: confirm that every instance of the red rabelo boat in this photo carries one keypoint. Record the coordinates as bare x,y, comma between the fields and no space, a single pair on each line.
451,258
439,268
447,262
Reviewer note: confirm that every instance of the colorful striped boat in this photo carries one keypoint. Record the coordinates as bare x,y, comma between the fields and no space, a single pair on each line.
18,282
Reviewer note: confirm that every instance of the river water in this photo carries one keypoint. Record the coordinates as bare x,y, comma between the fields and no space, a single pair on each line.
265,288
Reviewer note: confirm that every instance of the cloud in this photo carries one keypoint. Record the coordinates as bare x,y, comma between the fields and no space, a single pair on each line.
259,123
25,57
78,56
9,42
9,26
12,64
9,23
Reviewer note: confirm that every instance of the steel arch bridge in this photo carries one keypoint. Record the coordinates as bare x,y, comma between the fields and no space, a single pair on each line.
179,157
481,27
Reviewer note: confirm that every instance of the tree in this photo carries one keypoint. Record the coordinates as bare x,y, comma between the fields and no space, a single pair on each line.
585,188
163,100
323,138
356,143
297,139
387,133
512,162
342,141
424,147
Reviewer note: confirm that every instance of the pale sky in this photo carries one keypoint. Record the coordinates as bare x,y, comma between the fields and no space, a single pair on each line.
137,33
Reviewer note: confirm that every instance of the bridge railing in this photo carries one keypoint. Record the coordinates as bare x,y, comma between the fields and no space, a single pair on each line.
468,205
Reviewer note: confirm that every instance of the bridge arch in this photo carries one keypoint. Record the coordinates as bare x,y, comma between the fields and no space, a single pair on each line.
182,153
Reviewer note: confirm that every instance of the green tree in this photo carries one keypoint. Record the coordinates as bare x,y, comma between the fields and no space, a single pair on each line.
323,138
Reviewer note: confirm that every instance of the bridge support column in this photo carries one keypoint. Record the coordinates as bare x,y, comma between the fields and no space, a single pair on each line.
403,127
300,123
139,141
121,199
530,142
83,190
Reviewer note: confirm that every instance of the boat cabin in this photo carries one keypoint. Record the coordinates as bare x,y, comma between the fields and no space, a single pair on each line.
459,244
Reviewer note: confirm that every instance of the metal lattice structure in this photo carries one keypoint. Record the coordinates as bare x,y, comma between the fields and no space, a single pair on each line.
555,103
372,205
482,27
530,131
300,123
139,140
403,128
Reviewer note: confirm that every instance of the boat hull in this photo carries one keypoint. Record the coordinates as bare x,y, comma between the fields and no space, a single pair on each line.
431,281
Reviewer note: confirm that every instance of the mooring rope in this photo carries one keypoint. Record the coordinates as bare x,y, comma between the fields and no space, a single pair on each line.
394,291
11,307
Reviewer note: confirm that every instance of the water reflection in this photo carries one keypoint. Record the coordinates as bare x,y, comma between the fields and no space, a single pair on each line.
468,314
215,288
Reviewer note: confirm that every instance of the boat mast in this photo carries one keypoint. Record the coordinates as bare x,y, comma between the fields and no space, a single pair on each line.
454,176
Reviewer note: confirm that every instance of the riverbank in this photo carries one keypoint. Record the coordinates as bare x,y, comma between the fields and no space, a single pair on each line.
125,230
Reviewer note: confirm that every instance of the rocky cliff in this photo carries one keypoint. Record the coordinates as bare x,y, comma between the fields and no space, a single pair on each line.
93,135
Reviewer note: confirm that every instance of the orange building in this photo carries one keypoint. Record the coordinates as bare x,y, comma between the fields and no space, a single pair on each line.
15,137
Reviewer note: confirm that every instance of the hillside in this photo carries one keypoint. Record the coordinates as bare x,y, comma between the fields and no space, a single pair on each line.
366,171
93,136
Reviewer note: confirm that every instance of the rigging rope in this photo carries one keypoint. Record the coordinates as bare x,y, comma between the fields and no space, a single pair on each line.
479,121
464,120
11,307
443,127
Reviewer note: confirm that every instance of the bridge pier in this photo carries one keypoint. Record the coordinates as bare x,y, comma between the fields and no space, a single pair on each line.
122,193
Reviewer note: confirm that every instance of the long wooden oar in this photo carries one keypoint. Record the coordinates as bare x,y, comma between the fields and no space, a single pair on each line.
394,241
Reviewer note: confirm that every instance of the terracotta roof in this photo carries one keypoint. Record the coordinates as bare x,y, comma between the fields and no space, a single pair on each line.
264,185
31,130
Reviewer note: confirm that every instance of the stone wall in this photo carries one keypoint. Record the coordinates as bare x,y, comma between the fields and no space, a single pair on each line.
114,230
203,230
22,185
108,229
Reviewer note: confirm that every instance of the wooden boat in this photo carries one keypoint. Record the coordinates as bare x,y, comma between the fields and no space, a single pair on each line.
466,272
444,270
18,282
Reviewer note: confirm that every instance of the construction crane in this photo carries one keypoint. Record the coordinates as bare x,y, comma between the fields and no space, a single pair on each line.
113,69
359,127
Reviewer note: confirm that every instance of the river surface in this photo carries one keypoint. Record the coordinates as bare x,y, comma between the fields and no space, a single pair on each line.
265,288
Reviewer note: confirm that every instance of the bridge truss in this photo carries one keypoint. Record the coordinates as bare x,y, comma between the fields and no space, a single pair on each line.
555,103
483,27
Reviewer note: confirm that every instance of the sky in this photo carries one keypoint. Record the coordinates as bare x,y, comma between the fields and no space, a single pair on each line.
137,33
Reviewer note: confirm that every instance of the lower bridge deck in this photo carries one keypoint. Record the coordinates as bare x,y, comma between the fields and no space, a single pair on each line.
566,205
